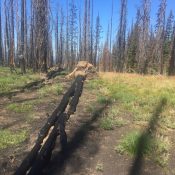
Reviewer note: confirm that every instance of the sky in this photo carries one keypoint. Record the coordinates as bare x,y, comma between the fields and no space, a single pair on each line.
103,7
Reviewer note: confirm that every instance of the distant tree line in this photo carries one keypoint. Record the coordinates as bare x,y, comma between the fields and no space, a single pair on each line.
35,35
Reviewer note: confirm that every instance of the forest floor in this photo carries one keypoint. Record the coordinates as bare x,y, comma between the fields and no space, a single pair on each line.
124,124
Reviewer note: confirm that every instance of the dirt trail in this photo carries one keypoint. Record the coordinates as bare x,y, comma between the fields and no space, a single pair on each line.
91,149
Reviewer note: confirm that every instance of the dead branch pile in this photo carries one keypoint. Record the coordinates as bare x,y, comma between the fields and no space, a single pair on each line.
83,68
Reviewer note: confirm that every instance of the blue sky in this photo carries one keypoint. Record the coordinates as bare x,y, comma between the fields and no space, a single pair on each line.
103,7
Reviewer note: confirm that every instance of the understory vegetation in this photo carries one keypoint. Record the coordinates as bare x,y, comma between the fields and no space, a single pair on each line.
139,102
13,81
142,104
24,109
9,138
55,89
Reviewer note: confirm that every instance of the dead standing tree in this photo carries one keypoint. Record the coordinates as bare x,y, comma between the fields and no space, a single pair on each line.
56,38
86,38
142,56
41,27
1,47
22,51
121,38
10,31
73,33
172,60
61,46
160,32
97,40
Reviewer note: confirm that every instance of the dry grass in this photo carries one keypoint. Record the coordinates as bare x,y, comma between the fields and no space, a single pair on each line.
137,96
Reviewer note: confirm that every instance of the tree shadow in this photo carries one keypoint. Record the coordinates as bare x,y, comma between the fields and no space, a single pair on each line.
138,162
57,163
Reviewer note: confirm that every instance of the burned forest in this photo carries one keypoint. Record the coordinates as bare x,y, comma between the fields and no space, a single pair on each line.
87,87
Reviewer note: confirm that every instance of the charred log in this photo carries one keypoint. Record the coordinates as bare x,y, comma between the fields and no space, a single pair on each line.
40,155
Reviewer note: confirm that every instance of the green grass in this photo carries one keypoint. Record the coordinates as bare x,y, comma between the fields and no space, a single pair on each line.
107,123
10,82
135,143
99,167
112,119
54,89
9,138
103,99
25,107
138,95
95,83
20,108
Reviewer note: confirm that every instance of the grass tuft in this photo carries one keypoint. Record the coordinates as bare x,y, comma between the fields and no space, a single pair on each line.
9,138
20,108
95,83
10,82
55,89
137,143
99,167
112,119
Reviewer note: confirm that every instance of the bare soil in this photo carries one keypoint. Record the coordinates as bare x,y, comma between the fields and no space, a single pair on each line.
90,149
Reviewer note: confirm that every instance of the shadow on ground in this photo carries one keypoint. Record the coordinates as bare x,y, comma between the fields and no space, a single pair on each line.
138,162
80,137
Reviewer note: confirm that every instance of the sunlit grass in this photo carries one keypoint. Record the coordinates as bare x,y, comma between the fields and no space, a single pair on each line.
20,108
136,143
9,138
54,89
12,81
24,107
112,119
137,95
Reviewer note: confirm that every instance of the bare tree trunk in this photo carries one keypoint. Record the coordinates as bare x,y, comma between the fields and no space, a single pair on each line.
22,52
73,31
67,38
121,38
61,38
85,31
56,38
88,30
25,36
97,39
1,47
172,60
80,37
41,10
32,57
143,31
12,63
110,41
160,32
91,43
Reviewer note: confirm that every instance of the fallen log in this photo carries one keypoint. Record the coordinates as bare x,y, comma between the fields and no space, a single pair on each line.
46,151
75,99
34,84
54,73
30,159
